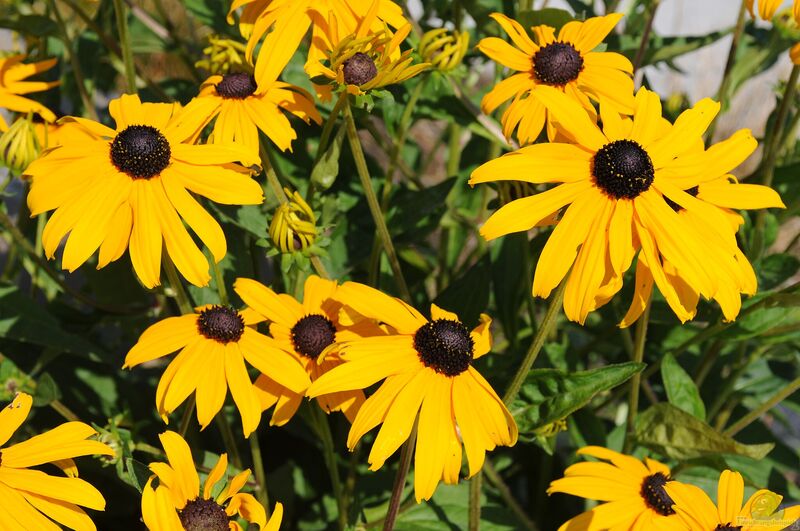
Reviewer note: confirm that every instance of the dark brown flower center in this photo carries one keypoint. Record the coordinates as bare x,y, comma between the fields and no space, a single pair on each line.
221,323
312,334
237,86
359,69
693,191
558,63
203,515
655,495
623,169
445,346
141,151
728,527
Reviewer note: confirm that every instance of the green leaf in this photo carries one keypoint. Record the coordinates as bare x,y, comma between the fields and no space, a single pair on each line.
468,295
549,16
35,25
775,269
681,389
23,320
550,395
137,473
676,434
46,390
327,169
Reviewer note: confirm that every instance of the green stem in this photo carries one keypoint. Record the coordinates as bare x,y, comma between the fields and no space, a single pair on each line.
636,381
186,418
319,267
400,479
323,430
771,152
174,281
228,439
648,28
125,42
781,395
372,201
272,177
77,71
258,468
497,481
220,281
547,324
724,86
475,501
41,221
64,411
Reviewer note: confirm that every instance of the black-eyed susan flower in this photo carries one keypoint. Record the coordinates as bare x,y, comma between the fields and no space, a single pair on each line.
172,500
242,105
214,343
294,225
726,194
129,189
632,491
426,368
443,49
30,497
699,513
615,184
12,85
289,22
365,58
566,63
305,329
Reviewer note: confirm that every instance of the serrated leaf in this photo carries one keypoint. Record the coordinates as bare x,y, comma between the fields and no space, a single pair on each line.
681,389
677,434
549,395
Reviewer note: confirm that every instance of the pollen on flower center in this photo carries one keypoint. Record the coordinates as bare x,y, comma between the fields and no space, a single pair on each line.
445,346
655,496
203,515
693,191
220,323
623,169
558,63
312,334
359,69
141,151
237,86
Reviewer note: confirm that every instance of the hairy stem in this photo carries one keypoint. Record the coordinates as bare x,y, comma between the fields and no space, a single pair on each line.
636,381
400,479
121,13
776,399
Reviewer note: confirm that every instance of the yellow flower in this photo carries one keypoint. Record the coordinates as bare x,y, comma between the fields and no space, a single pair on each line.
221,55
426,368
725,194
633,492
51,135
443,49
30,497
19,144
127,188
12,73
214,344
614,184
293,225
290,20
305,329
365,58
243,105
699,513
566,63
766,8
172,501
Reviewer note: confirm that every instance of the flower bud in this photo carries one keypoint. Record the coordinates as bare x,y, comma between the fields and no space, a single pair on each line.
293,227
221,55
443,49
19,145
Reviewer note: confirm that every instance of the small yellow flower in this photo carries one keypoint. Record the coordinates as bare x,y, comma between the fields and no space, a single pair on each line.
221,55
19,145
34,495
172,500
12,73
699,513
766,8
293,226
444,49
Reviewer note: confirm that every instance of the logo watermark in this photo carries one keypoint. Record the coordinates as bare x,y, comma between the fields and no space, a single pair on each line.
765,511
